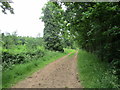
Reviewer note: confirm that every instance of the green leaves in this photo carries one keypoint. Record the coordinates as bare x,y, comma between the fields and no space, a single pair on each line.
94,26
53,25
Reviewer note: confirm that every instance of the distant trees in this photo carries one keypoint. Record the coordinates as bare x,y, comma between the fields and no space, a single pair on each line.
12,40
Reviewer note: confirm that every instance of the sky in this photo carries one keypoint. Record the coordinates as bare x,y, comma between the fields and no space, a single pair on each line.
26,18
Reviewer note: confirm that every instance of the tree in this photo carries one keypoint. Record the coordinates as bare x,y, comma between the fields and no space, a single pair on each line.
95,27
52,19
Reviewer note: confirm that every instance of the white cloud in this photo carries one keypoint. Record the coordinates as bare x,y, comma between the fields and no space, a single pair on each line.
26,18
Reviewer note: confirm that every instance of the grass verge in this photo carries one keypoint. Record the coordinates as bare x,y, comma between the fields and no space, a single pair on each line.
19,72
94,73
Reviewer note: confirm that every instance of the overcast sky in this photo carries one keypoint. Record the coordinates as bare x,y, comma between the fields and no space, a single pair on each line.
26,18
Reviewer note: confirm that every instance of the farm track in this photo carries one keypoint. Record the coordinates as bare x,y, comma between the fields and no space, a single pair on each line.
61,73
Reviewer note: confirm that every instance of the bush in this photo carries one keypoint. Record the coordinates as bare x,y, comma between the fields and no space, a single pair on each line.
9,59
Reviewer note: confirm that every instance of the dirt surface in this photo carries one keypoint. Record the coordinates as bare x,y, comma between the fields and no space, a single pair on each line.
59,74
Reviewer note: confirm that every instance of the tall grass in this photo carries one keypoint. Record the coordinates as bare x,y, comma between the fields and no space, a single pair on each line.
20,71
94,73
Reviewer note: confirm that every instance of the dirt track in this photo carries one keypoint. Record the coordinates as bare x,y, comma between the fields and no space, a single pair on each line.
59,74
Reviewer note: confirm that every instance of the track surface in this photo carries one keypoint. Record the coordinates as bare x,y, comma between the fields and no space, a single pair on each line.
61,73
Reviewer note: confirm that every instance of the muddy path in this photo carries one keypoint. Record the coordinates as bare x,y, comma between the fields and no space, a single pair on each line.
61,73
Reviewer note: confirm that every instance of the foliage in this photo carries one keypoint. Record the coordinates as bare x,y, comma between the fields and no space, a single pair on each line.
10,59
52,20
20,50
96,27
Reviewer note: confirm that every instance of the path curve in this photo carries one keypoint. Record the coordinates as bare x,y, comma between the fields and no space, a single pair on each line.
61,73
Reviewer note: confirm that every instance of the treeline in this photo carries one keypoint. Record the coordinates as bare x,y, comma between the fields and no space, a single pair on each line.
97,27
94,26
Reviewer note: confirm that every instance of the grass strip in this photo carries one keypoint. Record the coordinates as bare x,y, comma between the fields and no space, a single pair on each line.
94,73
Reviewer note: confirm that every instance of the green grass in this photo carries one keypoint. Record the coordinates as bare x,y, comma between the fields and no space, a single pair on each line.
19,72
72,54
94,73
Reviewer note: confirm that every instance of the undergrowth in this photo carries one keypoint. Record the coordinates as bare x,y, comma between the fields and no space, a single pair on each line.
94,73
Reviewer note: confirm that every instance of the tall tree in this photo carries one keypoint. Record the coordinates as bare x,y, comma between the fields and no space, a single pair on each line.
52,20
